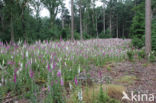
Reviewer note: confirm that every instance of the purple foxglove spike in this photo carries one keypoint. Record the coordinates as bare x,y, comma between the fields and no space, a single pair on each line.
62,82
15,70
11,62
54,65
54,54
100,74
31,73
49,68
51,60
75,80
26,66
48,88
103,54
15,77
59,73
51,83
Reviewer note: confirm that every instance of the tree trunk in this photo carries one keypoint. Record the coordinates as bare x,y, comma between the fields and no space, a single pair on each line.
117,31
96,24
81,30
123,31
148,27
62,22
2,22
23,25
52,19
110,24
72,21
104,24
12,29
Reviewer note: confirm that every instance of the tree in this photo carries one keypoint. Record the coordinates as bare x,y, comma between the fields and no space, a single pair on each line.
24,8
72,21
37,7
148,27
98,12
10,9
138,25
104,16
81,30
53,7
62,14
80,4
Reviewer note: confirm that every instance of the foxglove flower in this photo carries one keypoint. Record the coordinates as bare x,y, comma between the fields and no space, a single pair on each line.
31,73
59,73
79,70
75,80
3,62
104,54
70,85
15,77
27,54
100,73
54,65
80,97
49,68
62,82
51,83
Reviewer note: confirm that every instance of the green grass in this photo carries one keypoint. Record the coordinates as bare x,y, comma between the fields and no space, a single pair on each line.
128,79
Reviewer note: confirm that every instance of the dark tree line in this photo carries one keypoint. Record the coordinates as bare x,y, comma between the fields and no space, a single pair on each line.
115,18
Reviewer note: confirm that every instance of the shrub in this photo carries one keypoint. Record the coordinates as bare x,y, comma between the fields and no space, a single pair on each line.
64,33
138,42
154,34
138,39
105,35
152,57
154,42
86,36
130,55
77,36
141,54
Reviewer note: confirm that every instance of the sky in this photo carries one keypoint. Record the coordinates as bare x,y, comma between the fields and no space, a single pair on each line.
44,12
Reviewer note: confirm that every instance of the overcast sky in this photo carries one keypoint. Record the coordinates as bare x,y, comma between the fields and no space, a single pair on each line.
44,12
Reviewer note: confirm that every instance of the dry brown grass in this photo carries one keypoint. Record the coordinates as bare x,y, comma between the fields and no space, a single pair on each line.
128,79
115,91
90,94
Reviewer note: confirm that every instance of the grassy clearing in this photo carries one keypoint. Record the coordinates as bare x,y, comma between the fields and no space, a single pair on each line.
27,69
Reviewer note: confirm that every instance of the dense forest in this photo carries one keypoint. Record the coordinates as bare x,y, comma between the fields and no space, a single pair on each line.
21,20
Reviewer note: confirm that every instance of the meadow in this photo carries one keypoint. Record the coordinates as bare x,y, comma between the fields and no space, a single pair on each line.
60,71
